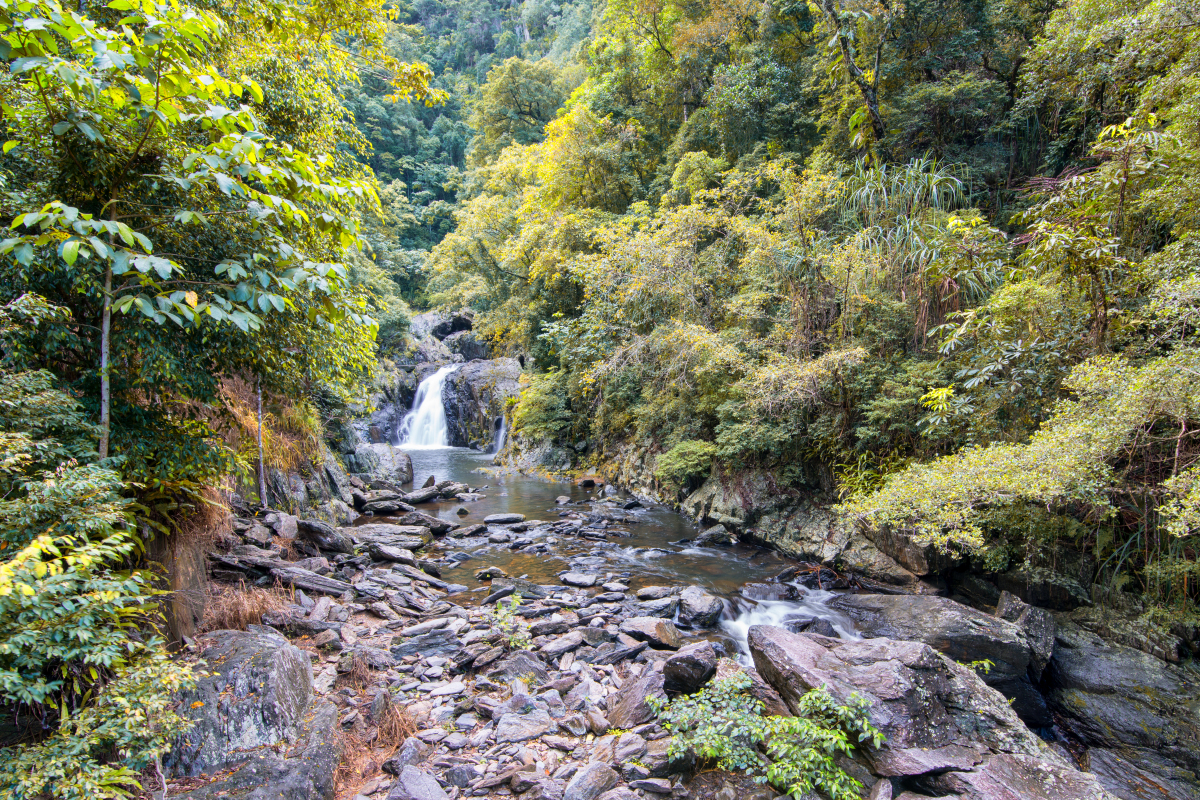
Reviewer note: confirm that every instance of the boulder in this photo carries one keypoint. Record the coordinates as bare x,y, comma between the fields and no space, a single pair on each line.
253,710
1037,625
403,537
962,633
590,782
467,345
324,536
1040,586
522,727
659,632
716,535
504,519
1131,708
689,669
380,463
628,707
413,784
698,608
945,730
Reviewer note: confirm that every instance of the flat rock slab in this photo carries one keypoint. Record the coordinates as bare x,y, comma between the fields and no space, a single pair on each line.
522,727
659,632
503,519
580,579
413,784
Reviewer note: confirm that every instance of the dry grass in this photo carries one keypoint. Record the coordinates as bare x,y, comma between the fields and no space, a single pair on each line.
292,432
360,675
361,760
235,607
210,521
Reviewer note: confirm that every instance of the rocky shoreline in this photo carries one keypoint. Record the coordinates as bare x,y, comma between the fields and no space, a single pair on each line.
545,697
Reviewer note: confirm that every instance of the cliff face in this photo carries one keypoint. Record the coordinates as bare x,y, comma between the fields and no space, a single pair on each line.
476,398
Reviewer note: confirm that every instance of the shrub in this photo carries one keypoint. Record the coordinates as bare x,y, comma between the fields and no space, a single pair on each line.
686,462
724,725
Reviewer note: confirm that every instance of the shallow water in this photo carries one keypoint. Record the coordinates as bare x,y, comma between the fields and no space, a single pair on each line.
653,550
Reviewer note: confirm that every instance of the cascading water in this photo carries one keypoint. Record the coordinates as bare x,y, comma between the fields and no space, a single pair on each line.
501,432
425,425
768,611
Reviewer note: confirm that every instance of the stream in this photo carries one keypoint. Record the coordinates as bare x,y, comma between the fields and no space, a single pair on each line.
651,547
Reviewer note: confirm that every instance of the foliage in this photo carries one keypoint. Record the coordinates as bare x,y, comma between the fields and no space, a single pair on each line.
686,462
506,619
722,724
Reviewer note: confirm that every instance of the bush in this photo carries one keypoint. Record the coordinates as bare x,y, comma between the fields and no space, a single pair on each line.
686,462
723,724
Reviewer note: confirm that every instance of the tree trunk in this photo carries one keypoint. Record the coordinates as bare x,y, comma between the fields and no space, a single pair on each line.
105,389
262,471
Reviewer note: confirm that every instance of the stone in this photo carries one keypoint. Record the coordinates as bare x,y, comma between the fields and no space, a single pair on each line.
659,632
384,552
590,782
1134,707
653,592
960,632
520,664
942,724
437,642
404,537
412,752
255,696
423,495
580,579
664,608
503,519
1044,588
628,707
698,608
380,462
413,784
714,536
324,536
522,727
563,644
1037,625
689,669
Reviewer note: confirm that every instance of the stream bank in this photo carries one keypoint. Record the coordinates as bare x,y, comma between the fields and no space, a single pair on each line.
394,616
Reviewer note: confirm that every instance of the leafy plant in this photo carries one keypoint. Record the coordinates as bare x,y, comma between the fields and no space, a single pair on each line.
510,624
723,724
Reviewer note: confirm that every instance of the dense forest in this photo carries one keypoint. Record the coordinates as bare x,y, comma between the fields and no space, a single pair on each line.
932,264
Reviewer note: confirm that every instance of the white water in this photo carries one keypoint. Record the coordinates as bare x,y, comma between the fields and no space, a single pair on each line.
498,445
425,425
812,604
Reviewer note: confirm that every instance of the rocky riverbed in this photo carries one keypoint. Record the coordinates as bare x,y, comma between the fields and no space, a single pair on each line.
546,696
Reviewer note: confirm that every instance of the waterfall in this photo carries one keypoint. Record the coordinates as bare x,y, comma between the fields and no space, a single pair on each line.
501,432
425,424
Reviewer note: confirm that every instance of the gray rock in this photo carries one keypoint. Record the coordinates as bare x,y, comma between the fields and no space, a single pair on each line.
689,669
654,592
714,536
467,345
522,727
658,632
411,753
664,607
1037,625
962,633
437,642
461,775
413,784
590,782
1121,700
520,664
503,519
698,608
383,552
563,644
628,707
382,463
404,537
324,536
942,725
580,579
476,398
255,696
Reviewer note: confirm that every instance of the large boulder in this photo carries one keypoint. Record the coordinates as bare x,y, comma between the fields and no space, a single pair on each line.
256,695
1139,715
324,536
476,398
467,345
380,463
945,731
962,633
698,608
440,324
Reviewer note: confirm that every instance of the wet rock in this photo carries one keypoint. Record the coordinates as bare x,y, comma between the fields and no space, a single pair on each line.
324,536
476,398
962,633
524,588
590,782
413,784
943,725
659,632
580,579
628,707
522,727
503,519
1121,700
654,592
489,573
698,608
689,669
717,535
